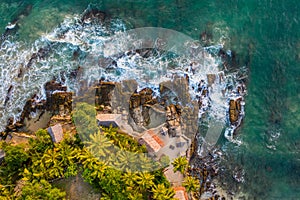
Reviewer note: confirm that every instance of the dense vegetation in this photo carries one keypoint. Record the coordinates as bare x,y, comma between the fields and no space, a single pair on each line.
105,160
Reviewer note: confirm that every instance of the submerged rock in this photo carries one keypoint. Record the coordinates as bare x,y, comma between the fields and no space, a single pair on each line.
93,15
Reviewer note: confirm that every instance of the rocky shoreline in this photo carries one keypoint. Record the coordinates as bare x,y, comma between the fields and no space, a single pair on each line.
139,107
59,102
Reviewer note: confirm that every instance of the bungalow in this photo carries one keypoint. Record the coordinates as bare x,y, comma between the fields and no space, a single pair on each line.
152,141
56,133
114,120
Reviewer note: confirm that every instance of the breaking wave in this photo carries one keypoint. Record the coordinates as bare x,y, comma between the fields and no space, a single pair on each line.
108,51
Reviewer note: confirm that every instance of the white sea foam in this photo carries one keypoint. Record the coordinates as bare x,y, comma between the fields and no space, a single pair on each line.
95,42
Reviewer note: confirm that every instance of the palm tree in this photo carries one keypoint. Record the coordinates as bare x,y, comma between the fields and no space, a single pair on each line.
125,160
87,159
99,169
180,164
161,192
145,180
51,159
191,184
66,153
129,178
99,145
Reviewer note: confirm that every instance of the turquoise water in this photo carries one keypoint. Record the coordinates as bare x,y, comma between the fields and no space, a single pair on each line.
265,35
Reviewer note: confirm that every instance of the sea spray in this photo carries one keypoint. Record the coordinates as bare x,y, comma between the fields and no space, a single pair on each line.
92,42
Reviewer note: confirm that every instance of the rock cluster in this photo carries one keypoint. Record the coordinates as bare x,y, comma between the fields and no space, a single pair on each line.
203,97
58,100
234,110
236,105
103,95
139,105
173,115
205,169
93,15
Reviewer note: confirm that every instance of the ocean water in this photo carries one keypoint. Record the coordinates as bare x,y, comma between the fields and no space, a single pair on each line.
265,36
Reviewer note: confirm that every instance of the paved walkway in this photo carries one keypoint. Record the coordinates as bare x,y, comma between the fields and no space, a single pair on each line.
175,178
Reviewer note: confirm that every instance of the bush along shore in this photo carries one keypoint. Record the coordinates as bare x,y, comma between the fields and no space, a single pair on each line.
34,164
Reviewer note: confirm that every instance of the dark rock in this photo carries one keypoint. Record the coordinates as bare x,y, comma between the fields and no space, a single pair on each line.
59,99
104,93
135,100
93,15
41,54
8,95
146,115
139,106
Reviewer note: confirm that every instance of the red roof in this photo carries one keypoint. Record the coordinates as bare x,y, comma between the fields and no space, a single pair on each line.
156,138
152,141
180,193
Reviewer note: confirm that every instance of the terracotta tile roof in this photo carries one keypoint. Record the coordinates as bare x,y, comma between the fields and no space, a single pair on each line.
156,138
180,193
152,141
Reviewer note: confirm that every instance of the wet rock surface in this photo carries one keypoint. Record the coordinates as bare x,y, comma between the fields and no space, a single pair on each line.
92,15
139,105
58,101
40,54
103,93
206,168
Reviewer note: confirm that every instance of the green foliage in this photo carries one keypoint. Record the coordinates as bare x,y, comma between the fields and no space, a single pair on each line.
123,141
161,192
42,189
164,161
117,184
191,184
43,161
41,143
71,170
54,163
14,162
180,164
84,117
5,192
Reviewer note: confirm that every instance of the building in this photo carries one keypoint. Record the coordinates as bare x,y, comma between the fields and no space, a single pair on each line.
56,133
152,141
180,193
114,120
182,141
